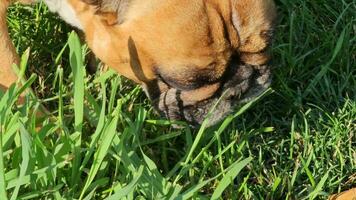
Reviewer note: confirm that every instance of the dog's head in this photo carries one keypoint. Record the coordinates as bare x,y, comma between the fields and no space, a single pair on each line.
189,56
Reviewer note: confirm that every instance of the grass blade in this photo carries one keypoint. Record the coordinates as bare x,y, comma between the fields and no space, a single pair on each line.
318,187
3,193
326,67
123,192
106,139
229,177
26,148
98,131
77,65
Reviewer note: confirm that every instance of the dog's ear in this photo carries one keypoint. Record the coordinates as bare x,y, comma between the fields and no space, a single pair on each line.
110,18
111,11
107,13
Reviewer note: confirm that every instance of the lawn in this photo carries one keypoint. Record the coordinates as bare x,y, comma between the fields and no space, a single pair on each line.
101,138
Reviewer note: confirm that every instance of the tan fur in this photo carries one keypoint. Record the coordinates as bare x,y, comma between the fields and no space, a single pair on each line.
347,195
185,52
8,55
195,39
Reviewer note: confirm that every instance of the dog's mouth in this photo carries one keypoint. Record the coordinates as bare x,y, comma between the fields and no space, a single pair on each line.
241,83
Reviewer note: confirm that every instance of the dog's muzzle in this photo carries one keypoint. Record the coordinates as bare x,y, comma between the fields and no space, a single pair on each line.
240,84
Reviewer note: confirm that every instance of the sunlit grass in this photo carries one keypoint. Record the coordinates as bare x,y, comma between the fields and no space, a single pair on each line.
102,138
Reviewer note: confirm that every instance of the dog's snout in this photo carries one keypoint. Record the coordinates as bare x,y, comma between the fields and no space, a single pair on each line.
240,84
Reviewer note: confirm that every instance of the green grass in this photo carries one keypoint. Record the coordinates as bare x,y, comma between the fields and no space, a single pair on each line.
298,142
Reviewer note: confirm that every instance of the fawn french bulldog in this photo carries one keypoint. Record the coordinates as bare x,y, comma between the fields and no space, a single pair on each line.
188,55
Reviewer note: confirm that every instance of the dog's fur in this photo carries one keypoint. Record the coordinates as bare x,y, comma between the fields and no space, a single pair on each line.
188,55
8,55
